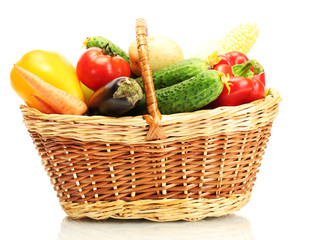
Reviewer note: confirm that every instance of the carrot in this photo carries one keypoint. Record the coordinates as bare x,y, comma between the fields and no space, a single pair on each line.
44,106
59,100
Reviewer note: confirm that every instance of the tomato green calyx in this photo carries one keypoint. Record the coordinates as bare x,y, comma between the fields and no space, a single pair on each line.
107,51
225,80
85,42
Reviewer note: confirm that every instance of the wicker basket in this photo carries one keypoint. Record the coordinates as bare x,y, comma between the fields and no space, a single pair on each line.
193,166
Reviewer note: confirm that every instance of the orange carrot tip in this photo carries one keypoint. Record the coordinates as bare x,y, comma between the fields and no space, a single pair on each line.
57,99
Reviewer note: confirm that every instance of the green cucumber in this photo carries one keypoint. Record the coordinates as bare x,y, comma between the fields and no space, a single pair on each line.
102,42
187,96
176,72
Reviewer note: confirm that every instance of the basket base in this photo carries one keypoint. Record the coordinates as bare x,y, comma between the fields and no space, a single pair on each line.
163,210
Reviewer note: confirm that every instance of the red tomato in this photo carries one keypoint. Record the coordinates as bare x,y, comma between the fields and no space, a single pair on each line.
95,69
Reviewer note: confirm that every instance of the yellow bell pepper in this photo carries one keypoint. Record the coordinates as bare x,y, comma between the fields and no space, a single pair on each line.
51,67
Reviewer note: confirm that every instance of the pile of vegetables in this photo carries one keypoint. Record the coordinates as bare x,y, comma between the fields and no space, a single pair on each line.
106,80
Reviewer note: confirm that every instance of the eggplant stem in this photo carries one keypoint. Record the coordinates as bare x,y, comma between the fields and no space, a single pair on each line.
130,90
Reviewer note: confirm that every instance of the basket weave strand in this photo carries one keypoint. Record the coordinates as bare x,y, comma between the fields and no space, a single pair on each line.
105,167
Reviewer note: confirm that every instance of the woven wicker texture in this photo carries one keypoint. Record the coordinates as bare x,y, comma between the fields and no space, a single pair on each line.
161,210
214,165
133,130
105,167
204,157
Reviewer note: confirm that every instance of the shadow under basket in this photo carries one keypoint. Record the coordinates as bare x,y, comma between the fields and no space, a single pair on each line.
104,167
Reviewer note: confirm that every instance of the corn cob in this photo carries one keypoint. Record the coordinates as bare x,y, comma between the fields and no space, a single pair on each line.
241,38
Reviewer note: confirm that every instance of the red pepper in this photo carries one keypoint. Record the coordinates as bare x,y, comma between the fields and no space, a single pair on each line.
224,68
242,90
261,77
230,59
246,80
233,58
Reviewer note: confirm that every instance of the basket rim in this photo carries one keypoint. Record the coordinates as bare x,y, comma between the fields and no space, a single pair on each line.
178,127
272,99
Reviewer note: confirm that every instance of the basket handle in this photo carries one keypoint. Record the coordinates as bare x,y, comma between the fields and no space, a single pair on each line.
154,117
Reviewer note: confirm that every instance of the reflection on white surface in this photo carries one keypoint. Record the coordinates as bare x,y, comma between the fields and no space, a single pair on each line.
230,227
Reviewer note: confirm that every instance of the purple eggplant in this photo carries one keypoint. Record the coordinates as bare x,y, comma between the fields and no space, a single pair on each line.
115,98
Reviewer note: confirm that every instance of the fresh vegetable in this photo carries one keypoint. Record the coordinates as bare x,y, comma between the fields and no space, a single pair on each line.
246,81
177,72
102,43
241,38
116,98
251,69
242,90
237,64
46,108
86,92
54,100
96,67
162,52
233,58
188,95
261,77
52,68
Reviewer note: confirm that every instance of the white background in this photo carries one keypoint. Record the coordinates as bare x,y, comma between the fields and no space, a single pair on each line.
280,204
